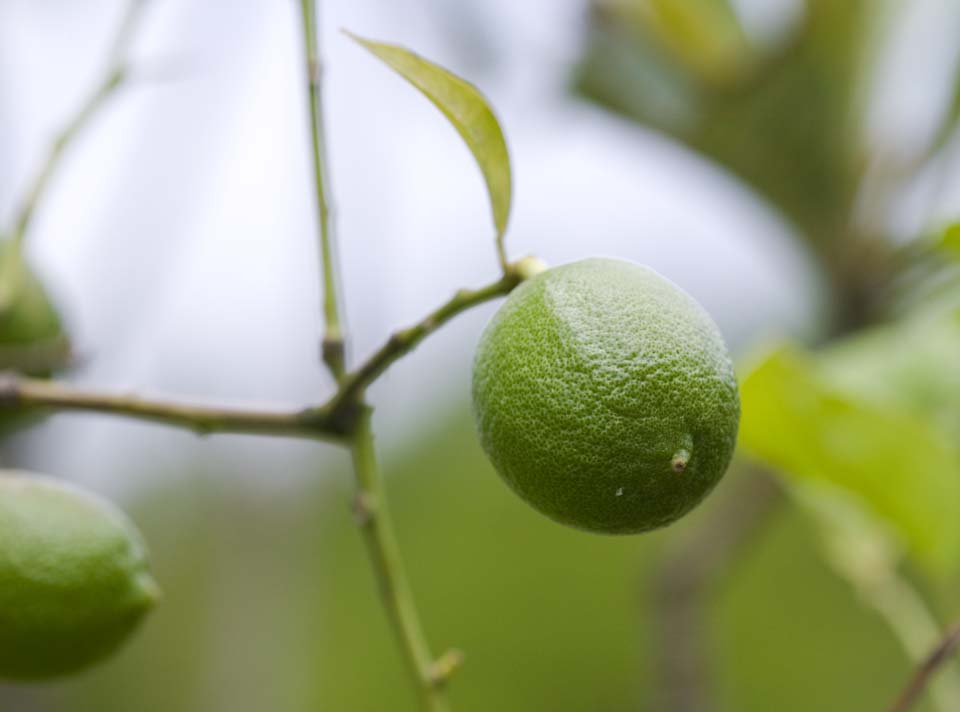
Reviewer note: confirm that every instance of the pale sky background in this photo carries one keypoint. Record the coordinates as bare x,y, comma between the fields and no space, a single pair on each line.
179,235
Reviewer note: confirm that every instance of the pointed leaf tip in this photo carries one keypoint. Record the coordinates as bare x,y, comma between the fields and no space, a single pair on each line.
466,108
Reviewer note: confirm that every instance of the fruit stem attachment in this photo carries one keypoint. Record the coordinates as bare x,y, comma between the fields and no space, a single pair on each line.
26,393
113,79
373,517
332,347
404,341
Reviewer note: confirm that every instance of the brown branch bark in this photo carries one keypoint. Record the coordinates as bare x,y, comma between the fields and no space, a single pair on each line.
923,674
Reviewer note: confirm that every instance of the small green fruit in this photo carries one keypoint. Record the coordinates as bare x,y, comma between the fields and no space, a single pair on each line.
32,338
74,579
605,397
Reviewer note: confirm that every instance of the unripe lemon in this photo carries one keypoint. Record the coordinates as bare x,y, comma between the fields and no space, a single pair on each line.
604,396
74,580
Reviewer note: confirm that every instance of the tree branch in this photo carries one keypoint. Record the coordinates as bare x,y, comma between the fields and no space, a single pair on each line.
25,393
918,683
113,78
373,516
402,342
332,348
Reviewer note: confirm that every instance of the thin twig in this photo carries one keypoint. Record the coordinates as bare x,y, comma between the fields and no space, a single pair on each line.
333,350
112,79
26,393
402,342
918,683
373,516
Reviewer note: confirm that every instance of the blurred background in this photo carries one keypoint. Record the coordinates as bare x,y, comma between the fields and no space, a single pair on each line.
792,163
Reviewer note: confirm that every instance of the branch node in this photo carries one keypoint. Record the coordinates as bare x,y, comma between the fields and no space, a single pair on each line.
444,667
333,352
364,509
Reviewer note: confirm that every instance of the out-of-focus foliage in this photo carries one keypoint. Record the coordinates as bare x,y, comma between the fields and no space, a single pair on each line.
949,241
911,366
799,419
784,119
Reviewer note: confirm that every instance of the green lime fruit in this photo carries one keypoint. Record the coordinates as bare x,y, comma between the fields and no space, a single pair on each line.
605,397
74,578
32,337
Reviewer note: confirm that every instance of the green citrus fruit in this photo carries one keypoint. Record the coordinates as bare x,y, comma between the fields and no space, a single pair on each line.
32,338
74,580
605,397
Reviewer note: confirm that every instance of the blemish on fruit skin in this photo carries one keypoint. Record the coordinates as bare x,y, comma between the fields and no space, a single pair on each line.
679,461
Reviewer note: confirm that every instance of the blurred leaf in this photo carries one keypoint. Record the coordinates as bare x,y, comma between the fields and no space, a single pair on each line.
856,542
789,127
705,35
468,111
903,468
949,241
912,366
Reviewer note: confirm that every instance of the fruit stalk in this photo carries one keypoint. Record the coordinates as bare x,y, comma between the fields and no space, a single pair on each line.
332,348
373,517
404,341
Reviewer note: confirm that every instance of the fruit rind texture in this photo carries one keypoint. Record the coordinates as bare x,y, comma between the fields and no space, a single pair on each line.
74,578
605,397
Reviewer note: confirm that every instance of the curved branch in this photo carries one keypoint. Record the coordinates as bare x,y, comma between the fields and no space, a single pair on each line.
402,342
112,80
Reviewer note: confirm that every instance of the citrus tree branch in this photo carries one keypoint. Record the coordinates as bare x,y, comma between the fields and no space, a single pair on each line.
403,341
113,78
373,516
947,646
26,394
333,335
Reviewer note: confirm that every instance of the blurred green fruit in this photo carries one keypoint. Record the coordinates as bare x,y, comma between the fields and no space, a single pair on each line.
74,578
605,397
32,339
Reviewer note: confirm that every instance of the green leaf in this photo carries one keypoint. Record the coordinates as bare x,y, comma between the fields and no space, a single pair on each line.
911,365
949,240
858,544
906,470
467,109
